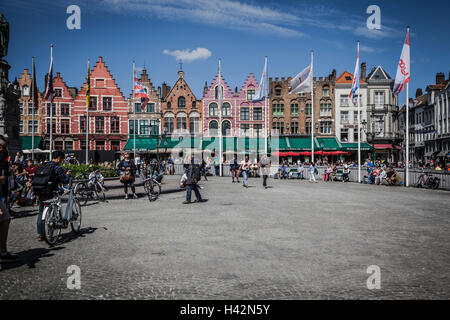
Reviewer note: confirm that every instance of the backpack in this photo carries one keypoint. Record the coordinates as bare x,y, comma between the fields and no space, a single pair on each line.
42,181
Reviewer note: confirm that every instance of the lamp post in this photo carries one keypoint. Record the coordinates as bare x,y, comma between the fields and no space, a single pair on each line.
371,133
322,144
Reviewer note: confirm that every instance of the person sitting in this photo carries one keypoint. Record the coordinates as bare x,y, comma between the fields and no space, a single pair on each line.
301,171
287,172
380,177
367,176
327,172
282,171
345,173
96,176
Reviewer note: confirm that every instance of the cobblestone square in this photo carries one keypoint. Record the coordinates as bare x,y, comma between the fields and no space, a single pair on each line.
295,240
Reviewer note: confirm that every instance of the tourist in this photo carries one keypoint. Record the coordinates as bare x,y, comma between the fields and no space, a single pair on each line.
127,172
234,169
192,178
282,171
327,172
345,173
264,165
300,171
244,168
312,173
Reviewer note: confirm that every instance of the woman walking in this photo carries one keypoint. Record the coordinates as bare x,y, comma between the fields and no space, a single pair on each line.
245,167
127,171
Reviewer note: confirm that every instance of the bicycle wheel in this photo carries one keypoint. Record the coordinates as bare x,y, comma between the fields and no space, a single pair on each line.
75,221
50,231
154,190
82,193
100,193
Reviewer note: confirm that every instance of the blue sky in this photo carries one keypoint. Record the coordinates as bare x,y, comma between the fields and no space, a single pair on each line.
241,33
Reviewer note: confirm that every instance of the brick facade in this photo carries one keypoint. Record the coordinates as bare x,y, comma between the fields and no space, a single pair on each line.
26,107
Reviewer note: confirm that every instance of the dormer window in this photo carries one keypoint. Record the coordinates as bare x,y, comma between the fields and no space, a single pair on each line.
181,102
250,94
217,92
58,93
25,91
278,91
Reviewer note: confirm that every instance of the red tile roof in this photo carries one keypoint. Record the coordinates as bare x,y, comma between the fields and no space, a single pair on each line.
347,77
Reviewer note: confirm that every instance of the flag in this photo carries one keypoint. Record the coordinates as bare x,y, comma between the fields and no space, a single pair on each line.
403,69
34,90
49,92
302,82
261,94
139,92
88,87
355,83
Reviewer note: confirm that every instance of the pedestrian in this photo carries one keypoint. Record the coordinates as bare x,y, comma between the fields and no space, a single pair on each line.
301,171
235,169
312,173
245,167
127,172
5,218
192,178
216,166
264,165
137,162
203,169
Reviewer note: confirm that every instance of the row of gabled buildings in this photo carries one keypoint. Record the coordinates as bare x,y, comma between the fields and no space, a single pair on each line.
114,119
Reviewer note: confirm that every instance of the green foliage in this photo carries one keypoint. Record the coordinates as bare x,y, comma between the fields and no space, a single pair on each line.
86,169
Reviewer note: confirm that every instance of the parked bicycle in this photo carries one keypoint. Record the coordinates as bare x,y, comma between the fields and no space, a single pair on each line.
52,218
152,186
90,189
426,180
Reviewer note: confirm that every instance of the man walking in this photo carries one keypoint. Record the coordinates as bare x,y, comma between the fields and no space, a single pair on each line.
193,176
245,167
264,165
312,173
235,169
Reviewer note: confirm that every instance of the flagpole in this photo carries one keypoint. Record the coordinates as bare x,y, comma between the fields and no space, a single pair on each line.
220,118
407,124
266,95
51,110
32,114
312,107
359,124
88,85
134,115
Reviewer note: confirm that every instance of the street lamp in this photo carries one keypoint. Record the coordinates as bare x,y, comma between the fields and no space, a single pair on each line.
371,132
322,144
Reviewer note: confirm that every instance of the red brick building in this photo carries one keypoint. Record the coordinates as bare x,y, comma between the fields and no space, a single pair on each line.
108,115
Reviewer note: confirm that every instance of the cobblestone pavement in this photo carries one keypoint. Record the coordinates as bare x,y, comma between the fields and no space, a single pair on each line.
293,241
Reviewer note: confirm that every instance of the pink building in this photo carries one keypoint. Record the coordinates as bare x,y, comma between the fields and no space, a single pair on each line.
240,116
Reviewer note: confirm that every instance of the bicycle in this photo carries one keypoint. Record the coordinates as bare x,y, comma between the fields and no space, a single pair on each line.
152,187
52,219
90,189
430,182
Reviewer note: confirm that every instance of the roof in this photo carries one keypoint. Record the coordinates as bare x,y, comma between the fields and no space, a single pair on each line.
378,73
347,77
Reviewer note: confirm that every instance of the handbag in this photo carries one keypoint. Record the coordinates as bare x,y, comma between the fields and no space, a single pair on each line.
125,176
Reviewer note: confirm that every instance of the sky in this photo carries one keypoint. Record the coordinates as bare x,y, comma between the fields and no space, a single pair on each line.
158,33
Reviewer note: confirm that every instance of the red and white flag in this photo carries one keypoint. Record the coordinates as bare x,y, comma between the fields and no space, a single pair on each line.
403,70
139,92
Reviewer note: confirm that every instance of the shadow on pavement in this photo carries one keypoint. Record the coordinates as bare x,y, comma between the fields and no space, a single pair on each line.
24,213
29,257
70,236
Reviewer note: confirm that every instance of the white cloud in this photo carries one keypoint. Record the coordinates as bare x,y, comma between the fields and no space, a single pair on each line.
366,49
188,55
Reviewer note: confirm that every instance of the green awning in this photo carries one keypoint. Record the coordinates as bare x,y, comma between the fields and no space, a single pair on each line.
299,144
212,143
329,144
142,144
27,142
279,143
353,146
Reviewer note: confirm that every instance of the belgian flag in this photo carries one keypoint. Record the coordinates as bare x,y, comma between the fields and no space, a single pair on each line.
88,88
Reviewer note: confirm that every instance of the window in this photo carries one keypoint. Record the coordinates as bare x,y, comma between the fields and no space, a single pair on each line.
68,145
308,109
168,124
83,124
30,126
278,127
355,116
115,145
65,109
294,127
344,134
83,144
294,109
53,126
25,91
257,114
53,109
213,128
181,123
93,101
379,99
99,145
59,144
250,94
65,126
226,110
245,129
344,100
131,125
31,109
137,107
144,127
344,116
150,107
194,104
226,128
99,124
325,127
308,127
216,92
169,105
325,109
245,114
100,83
181,102
115,124
20,108
355,134
213,110
154,127
194,125
21,126
326,92
107,103
257,130
278,109
58,93
278,91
